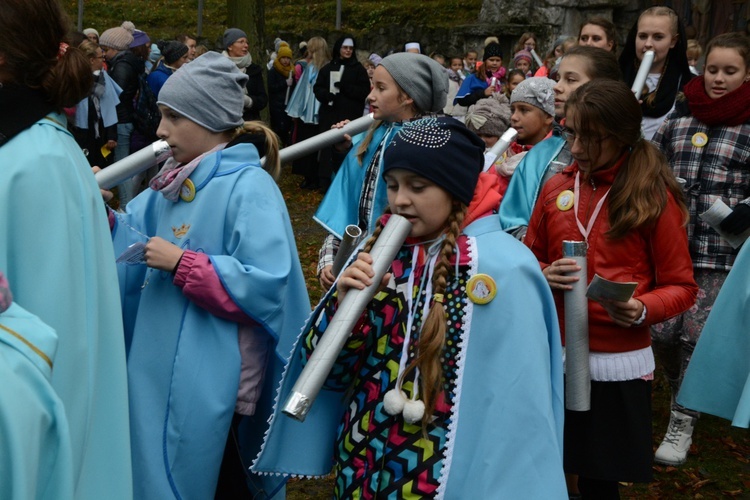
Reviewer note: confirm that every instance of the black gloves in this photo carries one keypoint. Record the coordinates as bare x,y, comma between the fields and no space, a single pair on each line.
738,221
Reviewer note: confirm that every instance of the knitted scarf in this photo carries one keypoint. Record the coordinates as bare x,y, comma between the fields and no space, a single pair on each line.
241,62
728,110
171,176
283,70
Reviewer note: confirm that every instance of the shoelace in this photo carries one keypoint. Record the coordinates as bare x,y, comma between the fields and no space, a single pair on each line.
675,428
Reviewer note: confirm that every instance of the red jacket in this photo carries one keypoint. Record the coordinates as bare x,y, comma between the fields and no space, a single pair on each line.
655,257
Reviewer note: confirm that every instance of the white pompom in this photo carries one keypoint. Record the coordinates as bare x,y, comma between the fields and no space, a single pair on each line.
393,402
413,411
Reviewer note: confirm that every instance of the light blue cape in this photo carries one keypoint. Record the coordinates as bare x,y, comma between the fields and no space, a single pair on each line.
507,440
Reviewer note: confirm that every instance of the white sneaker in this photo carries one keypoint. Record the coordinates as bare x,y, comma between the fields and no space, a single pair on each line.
674,448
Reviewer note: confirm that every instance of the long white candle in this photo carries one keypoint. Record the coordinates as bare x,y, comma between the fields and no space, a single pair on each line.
577,371
500,147
319,365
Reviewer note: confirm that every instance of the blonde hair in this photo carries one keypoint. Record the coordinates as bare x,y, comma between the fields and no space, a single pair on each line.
431,341
661,10
272,164
694,50
317,48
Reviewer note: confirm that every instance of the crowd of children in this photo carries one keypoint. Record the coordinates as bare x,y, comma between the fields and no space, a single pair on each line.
174,385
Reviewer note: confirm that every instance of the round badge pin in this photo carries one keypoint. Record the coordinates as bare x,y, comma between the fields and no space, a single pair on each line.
565,200
187,191
699,139
481,288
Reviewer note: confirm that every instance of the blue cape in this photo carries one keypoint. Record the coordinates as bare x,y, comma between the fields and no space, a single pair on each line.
303,104
108,103
469,85
184,362
35,456
506,440
340,207
526,183
717,380
58,257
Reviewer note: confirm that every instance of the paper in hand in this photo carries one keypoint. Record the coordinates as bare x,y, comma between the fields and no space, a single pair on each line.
601,289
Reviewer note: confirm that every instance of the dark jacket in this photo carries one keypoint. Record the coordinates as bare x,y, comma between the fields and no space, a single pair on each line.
354,87
256,89
277,95
125,68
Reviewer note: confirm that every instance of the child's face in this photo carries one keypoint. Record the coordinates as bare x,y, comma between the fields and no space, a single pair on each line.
693,61
573,73
386,99
285,61
523,65
654,33
531,123
514,81
493,63
489,140
529,44
471,59
725,71
593,35
423,203
591,153
186,138
370,70
456,64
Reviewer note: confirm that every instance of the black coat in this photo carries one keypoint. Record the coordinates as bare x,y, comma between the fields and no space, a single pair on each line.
256,89
125,69
354,87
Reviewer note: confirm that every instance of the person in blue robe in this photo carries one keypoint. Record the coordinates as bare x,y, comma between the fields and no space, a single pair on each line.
56,247
213,308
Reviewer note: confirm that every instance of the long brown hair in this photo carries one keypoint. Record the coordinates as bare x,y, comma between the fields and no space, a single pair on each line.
639,192
62,72
432,337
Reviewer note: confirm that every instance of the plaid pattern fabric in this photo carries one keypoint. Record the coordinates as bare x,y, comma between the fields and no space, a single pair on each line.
327,252
720,168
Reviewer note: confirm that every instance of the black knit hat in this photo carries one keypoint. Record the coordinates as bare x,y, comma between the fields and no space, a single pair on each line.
173,51
442,150
492,50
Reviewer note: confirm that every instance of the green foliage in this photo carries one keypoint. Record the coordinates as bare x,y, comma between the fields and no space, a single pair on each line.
167,18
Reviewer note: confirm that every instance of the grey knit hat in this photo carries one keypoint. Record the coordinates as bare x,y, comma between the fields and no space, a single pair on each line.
208,91
173,51
422,78
116,38
490,116
536,91
232,35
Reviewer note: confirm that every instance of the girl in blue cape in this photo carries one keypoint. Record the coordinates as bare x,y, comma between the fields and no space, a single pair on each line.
450,384
214,306
405,86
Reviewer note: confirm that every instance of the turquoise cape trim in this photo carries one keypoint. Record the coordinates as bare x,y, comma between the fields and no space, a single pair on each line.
717,380
340,207
526,183
511,390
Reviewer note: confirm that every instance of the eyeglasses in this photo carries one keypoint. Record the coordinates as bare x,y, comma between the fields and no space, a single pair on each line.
571,137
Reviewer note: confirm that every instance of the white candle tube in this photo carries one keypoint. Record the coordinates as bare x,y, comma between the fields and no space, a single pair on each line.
537,58
133,164
640,77
500,147
577,368
352,234
325,139
319,365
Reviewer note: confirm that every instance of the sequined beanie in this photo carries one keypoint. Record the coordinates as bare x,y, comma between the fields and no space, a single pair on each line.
442,150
